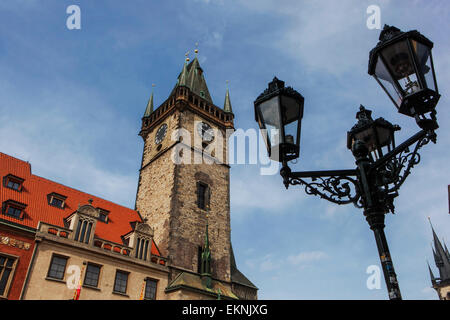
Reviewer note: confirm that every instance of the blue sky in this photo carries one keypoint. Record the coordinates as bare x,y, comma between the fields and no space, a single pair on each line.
71,103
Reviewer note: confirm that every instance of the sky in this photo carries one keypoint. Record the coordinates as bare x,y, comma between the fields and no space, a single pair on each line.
71,103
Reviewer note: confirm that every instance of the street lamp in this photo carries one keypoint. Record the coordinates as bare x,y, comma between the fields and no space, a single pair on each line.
279,112
376,135
404,61
403,66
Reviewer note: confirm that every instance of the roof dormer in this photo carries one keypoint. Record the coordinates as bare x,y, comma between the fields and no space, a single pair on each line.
13,182
140,239
83,222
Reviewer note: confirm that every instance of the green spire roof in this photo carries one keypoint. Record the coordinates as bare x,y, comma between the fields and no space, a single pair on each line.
205,269
192,77
149,109
206,254
182,79
227,104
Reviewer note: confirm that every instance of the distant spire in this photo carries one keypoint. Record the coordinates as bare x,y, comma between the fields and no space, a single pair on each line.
227,104
182,80
446,252
433,279
440,256
149,109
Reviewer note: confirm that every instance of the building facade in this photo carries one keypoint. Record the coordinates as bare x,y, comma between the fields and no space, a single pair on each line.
60,243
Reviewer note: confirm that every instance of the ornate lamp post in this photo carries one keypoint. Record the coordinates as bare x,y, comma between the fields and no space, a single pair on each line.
402,65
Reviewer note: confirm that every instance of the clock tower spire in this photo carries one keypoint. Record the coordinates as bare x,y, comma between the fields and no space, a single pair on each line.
179,194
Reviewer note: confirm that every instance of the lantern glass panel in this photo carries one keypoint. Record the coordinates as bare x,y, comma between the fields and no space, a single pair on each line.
386,81
401,66
291,114
367,136
424,63
271,121
384,136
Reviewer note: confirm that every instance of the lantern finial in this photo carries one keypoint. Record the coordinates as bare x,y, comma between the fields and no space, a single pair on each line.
389,32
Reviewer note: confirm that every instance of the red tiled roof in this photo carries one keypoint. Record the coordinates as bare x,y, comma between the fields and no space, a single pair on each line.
34,194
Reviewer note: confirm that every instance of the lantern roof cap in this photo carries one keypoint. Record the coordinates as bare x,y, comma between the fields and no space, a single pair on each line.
365,121
364,117
275,88
390,35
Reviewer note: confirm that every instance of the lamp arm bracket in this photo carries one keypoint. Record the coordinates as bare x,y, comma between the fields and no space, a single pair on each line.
337,186
429,135
398,168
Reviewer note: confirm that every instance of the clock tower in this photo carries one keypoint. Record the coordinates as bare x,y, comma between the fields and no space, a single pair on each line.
184,187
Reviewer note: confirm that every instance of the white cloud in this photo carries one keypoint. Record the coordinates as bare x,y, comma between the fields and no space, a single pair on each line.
268,264
306,257
263,264
252,191
65,162
59,139
429,293
319,34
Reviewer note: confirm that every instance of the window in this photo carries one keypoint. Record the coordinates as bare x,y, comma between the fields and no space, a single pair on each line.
142,248
7,265
150,289
83,232
14,209
92,275
56,200
57,267
13,182
120,284
103,217
14,212
13,185
203,195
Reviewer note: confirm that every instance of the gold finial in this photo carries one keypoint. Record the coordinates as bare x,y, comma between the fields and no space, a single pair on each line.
196,49
187,56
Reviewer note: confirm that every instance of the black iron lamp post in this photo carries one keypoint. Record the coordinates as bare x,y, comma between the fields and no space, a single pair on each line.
402,65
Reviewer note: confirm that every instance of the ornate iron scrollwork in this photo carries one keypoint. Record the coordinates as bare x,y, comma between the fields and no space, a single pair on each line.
337,189
395,171
345,186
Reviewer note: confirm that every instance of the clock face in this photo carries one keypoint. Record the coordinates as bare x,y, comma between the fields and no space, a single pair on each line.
205,131
161,133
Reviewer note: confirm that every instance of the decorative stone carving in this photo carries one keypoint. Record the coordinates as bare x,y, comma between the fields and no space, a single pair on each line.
89,210
144,229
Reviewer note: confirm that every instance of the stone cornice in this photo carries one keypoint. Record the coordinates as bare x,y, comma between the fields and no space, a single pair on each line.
181,98
42,236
